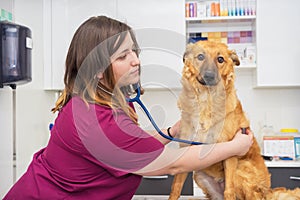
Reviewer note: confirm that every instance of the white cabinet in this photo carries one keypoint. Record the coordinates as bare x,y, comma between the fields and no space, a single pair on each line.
159,26
278,31
160,29
61,19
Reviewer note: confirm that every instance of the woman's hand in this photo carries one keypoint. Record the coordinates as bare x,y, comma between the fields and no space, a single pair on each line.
174,132
242,142
175,129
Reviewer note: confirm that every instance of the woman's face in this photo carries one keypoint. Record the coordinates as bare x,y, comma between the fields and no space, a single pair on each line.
125,63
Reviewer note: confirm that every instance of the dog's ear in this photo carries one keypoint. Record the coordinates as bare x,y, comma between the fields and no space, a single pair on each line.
183,58
235,58
187,51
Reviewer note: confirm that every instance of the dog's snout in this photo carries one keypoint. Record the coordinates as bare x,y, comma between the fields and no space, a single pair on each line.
209,76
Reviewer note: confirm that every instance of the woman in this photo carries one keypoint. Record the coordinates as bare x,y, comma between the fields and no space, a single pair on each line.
96,149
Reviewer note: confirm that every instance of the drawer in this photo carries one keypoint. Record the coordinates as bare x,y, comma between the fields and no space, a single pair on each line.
161,185
288,177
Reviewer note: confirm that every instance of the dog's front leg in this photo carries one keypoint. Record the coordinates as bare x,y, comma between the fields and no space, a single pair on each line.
230,165
177,185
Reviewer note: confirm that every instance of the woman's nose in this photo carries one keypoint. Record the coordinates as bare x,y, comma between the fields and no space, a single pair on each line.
134,59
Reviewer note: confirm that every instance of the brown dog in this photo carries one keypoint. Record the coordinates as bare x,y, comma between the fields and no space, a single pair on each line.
210,113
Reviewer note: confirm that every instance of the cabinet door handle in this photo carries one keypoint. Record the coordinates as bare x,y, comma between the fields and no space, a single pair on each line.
156,177
295,178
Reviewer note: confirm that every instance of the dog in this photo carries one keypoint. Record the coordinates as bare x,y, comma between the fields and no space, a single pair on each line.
211,112
281,193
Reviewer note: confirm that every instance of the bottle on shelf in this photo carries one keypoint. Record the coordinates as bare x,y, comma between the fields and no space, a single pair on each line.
217,8
264,131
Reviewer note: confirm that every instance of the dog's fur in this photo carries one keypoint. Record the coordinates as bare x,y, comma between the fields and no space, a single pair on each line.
210,113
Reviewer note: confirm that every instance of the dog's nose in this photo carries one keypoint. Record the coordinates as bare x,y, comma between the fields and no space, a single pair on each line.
209,77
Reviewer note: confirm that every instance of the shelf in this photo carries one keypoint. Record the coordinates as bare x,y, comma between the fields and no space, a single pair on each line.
282,163
219,26
246,67
222,18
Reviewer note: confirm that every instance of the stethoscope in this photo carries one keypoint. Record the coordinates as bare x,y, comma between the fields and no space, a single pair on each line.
138,100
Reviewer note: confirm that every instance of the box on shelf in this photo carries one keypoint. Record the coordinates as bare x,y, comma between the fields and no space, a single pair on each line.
251,54
297,147
279,146
201,9
245,52
286,143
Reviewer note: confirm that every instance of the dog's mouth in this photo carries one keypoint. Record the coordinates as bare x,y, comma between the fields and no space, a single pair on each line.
208,79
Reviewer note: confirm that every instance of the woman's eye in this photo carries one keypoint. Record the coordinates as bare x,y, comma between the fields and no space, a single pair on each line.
201,57
133,50
122,57
220,59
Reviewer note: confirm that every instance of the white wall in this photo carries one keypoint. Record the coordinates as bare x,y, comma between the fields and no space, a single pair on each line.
33,103
277,107
6,152
6,117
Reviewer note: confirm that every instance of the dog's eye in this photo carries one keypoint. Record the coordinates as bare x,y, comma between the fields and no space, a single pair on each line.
220,59
201,57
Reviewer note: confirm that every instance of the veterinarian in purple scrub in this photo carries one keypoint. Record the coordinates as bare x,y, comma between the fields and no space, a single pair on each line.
97,149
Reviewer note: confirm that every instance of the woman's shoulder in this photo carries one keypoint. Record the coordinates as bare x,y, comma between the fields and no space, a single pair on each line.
78,102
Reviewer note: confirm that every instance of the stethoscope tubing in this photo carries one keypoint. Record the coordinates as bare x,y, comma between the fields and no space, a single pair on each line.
138,100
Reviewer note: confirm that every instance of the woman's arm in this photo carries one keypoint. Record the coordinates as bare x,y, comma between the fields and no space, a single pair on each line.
174,161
